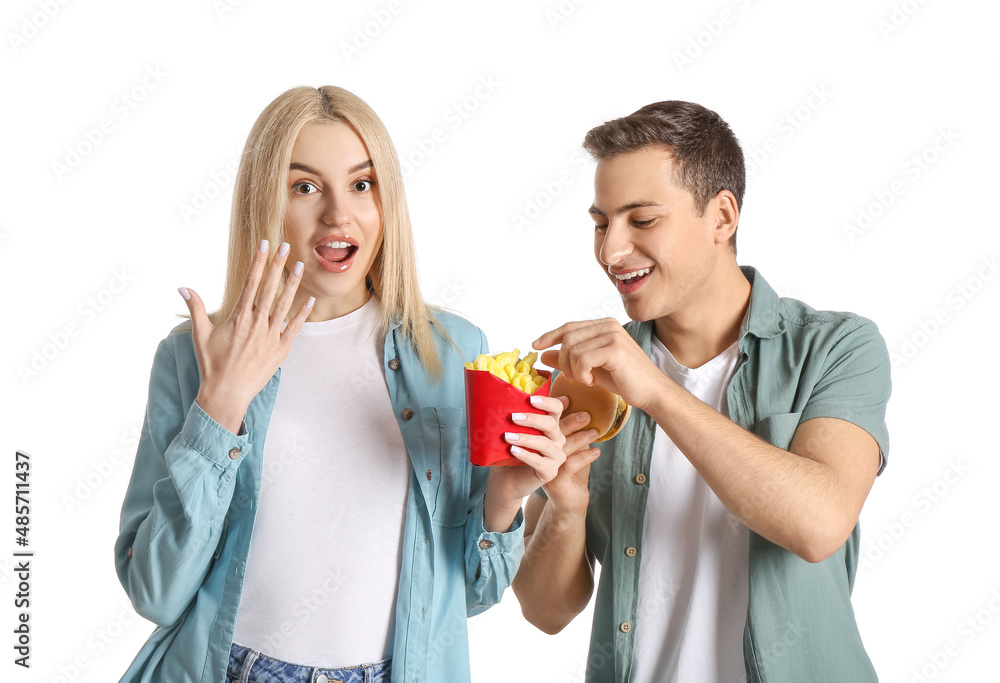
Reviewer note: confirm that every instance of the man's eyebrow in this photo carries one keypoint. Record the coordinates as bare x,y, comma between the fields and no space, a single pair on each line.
295,166
622,209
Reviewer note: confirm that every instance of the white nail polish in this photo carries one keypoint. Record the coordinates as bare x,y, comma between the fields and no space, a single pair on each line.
184,293
310,302
518,417
510,436
263,246
297,270
283,249
535,400
516,450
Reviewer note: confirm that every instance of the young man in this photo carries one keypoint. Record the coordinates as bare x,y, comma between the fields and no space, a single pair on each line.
725,514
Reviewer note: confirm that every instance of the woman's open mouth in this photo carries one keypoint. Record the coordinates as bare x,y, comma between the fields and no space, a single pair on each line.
336,256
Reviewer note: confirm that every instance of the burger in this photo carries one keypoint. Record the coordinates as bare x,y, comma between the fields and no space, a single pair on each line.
608,411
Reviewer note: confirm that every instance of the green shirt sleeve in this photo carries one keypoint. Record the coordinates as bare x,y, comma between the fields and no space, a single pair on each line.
855,384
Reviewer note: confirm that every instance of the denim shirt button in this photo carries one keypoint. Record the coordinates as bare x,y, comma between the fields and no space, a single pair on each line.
322,679
407,413
234,453
486,544
394,364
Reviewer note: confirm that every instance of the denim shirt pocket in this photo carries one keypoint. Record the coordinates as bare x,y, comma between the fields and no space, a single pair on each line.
779,429
449,480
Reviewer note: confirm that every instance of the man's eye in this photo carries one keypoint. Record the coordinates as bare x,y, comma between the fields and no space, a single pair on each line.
305,188
363,185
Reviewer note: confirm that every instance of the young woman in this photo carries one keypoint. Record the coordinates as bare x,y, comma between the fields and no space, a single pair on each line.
354,540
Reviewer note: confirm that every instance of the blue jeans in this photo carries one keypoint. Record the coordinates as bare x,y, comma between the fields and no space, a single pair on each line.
250,666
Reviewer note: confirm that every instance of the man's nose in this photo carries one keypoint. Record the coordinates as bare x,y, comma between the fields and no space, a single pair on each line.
616,244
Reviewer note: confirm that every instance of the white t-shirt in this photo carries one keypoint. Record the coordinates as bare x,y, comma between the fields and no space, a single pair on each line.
321,577
693,571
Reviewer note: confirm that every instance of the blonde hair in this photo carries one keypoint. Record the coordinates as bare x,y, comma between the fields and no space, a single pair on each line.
261,197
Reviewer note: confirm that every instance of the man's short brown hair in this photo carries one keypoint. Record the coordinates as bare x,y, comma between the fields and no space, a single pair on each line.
707,157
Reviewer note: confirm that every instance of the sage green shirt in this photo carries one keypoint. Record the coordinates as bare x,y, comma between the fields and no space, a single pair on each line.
795,364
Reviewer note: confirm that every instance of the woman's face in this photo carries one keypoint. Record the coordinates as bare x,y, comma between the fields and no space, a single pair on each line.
333,223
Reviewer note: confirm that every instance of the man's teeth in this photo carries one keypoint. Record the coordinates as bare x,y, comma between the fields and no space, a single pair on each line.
337,245
634,273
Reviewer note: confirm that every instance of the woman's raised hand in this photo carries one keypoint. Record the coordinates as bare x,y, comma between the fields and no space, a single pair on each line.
237,358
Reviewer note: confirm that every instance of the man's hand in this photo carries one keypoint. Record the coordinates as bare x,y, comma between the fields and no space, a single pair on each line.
601,352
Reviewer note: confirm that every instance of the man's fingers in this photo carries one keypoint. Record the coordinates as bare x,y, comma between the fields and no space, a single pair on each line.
577,461
556,336
572,423
551,358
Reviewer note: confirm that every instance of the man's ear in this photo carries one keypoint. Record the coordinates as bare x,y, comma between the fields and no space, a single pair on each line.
725,213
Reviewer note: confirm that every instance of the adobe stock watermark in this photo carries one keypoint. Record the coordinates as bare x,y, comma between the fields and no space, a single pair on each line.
304,608
913,169
218,182
899,15
32,24
87,311
561,12
922,502
453,118
786,127
955,300
711,30
224,8
101,470
550,190
967,631
120,109
365,33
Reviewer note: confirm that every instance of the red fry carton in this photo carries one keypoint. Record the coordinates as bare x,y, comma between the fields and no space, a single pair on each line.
489,402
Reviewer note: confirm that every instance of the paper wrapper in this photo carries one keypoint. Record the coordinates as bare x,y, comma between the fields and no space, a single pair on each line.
489,402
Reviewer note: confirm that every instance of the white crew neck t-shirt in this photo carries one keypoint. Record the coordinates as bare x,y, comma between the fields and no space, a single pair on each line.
323,568
693,571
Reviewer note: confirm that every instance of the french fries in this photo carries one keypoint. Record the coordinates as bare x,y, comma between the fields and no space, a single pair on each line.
512,369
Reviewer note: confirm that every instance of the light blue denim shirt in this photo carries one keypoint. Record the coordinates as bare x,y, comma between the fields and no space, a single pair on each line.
189,512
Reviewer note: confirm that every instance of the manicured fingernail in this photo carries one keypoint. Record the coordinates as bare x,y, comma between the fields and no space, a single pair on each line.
518,417
535,400
263,246
184,293
310,302
283,249
511,436
297,270
516,450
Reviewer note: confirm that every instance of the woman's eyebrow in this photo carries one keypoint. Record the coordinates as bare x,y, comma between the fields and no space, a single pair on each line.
295,166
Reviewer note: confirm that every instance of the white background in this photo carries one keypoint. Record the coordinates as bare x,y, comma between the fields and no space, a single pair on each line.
181,84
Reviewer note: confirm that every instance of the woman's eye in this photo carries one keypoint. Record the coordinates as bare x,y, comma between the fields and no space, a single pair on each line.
363,185
643,224
600,226
305,188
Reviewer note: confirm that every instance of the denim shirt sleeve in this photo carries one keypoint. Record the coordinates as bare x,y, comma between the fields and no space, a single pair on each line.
492,557
177,499
855,384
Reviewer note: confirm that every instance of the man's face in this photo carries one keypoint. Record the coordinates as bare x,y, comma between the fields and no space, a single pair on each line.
647,227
